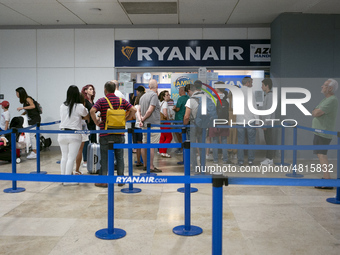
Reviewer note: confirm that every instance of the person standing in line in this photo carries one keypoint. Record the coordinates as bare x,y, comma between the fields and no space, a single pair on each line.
180,111
138,137
247,83
267,85
219,135
84,138
102,106
150,113
33,116
324,118
5,116
89,94
117,92
72,112
164,97
232,139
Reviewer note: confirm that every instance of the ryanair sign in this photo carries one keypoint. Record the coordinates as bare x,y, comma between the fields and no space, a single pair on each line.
136,53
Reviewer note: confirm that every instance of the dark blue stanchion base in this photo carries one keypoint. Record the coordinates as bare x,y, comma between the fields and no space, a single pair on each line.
294,175
11,190
104,234
58,162
146,174
333,200
193,231
134,190
180,163
41,172
192,190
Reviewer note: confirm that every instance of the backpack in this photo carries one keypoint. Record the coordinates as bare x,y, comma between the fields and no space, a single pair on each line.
45,142
223,110
205,121
38,107
115,118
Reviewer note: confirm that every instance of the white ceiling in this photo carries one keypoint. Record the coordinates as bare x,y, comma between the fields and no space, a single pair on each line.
189,12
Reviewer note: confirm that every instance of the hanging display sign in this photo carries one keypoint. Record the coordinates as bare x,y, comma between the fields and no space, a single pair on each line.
208,53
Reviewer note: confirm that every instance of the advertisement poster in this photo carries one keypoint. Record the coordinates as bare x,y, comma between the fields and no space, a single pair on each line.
180,80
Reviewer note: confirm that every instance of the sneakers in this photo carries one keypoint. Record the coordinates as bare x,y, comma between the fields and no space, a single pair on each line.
250,163
267,161
209,157
85,164
240,164
32,155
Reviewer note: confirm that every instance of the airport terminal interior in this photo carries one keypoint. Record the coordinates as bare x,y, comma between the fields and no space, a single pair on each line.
48,45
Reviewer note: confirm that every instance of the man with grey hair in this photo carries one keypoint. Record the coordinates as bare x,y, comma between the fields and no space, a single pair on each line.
149,111
324,118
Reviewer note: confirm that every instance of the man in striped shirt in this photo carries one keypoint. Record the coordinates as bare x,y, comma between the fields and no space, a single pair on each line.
102,106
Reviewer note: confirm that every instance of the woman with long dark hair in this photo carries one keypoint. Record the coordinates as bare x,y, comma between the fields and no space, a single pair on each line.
89,93
30,107
72,111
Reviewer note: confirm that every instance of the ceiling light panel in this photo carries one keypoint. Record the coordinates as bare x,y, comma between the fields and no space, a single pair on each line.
150,7
110,13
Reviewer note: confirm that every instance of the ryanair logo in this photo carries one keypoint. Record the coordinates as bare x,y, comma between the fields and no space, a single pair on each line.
127,51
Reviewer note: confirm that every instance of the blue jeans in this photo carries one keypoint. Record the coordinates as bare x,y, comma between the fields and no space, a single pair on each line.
224,151
251,140
119,153
196,137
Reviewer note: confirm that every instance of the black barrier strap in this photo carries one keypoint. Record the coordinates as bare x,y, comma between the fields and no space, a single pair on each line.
184,130
186,145
148,125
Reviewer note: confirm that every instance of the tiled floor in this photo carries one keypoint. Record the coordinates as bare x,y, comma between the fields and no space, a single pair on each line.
49,218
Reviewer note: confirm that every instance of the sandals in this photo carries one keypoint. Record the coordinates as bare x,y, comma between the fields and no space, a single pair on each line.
155,170
165,155
78,173
139,164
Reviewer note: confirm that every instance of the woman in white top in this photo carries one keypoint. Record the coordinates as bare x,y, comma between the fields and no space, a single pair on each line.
164,97
72,112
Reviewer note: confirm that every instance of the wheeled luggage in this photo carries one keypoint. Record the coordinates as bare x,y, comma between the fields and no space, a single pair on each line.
93,158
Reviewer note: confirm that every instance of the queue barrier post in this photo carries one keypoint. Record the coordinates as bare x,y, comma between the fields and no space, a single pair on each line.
184,138
131,189
217,212
336,199
110,233
37,136
148,173
282,151
186,170
187,229
294,174
14,188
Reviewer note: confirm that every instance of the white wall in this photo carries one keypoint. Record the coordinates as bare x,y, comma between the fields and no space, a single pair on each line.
46,61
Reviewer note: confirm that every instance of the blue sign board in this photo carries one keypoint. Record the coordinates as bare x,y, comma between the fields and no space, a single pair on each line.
208,53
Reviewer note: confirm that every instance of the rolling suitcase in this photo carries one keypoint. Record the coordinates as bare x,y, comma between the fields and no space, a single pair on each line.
93,158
